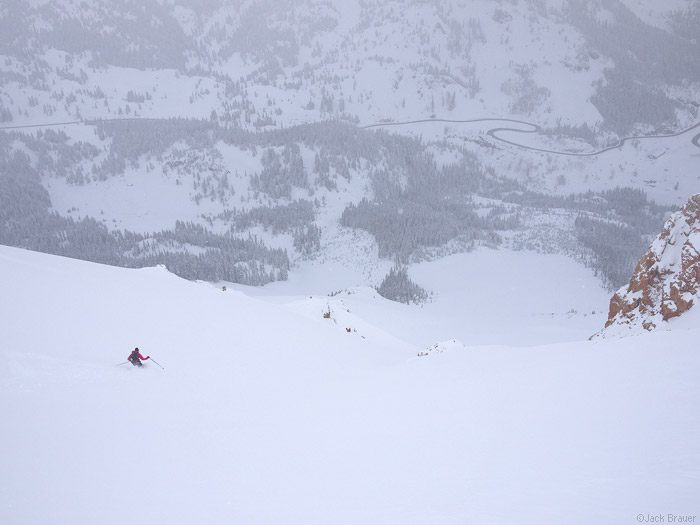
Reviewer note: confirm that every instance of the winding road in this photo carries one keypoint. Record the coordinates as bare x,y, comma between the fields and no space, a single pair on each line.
538,129
493,133
89,122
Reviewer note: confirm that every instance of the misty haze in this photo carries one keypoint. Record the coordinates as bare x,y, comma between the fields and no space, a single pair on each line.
342,262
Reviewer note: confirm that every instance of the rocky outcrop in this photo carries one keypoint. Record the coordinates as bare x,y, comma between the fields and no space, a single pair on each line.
665,283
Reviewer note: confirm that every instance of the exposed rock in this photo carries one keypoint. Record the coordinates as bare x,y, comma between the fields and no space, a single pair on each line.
665,283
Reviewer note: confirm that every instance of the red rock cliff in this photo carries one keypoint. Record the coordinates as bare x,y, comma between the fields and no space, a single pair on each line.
666,281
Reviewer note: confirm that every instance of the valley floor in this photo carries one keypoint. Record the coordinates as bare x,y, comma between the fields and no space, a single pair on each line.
486,297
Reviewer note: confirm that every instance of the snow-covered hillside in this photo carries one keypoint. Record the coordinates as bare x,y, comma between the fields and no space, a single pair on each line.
271,413
238,140
263,176
261,64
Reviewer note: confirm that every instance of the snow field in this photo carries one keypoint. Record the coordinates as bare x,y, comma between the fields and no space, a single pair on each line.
268,413
485,297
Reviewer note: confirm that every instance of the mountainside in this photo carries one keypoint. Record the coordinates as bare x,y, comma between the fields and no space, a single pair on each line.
236,140
666,281
262,64
271,413
179,193
363,243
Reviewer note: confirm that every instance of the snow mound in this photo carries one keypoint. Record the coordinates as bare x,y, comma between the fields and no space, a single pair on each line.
443,347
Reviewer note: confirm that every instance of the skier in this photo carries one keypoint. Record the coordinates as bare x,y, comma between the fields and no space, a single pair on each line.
135,357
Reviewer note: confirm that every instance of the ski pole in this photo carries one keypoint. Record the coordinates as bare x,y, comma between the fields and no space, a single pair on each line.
156,362
120,364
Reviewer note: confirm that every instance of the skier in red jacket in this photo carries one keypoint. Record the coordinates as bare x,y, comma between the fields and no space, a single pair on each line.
135,357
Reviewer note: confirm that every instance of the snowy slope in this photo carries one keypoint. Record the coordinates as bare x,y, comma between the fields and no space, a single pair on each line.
657,13
366,60
272,414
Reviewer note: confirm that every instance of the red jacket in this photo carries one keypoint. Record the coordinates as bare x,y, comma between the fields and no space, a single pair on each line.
139,354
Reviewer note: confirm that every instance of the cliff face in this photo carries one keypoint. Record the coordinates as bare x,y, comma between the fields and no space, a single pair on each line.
666,281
